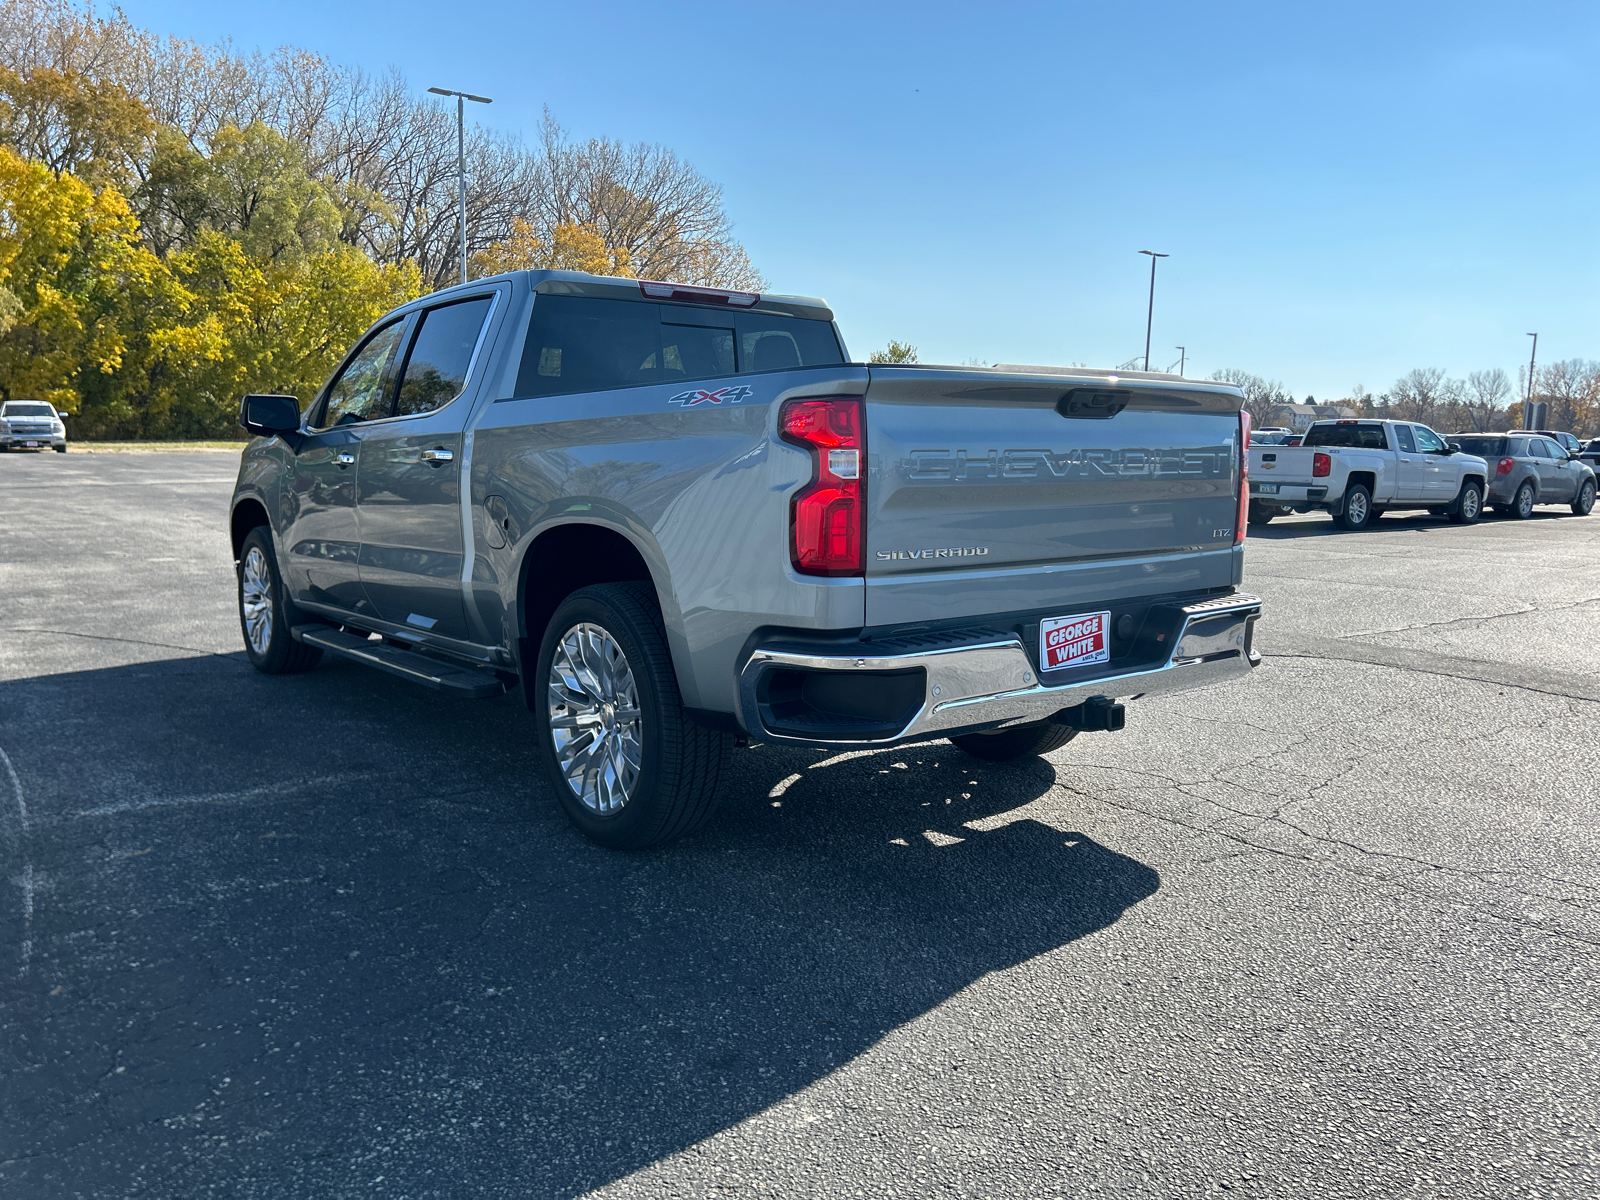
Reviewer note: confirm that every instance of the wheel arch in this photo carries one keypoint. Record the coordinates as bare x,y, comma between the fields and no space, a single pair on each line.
248,513
562,558
1367,479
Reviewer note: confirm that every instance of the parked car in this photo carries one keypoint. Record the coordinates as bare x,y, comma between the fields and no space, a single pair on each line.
1526,469
681,517
1270,435
1569,442
31,425
1591,452
1356,470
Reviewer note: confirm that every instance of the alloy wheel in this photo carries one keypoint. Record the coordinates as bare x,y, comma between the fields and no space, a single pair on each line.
1469,504
1525,501
255,600
595,722
1356,509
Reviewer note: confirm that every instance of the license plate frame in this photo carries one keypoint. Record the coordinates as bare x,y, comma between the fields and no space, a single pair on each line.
1265,489
31,445
1076,640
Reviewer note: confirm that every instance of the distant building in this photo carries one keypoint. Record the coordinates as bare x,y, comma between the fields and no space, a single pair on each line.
1298,417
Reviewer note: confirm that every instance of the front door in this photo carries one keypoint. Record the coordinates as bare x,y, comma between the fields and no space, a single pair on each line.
1439,477
1557,475
1411,473
321,519
412,547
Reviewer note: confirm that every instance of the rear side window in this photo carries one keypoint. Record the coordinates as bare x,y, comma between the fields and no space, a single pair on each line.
441,352
1482,447
1365,437
586,344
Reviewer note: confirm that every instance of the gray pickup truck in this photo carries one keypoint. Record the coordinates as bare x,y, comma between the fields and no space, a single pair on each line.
683,520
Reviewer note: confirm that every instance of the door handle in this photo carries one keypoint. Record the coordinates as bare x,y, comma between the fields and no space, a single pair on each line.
343,459
437,457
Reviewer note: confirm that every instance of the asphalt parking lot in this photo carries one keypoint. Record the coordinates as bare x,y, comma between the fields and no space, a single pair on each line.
1333,930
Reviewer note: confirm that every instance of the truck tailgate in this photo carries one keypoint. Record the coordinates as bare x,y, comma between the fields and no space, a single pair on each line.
996,491
1272,464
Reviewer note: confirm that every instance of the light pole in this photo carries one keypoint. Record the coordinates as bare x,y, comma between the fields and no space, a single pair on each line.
461,158
1183,357
1527,403
1150,313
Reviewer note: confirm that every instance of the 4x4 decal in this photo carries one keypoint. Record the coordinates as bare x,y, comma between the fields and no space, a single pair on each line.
727,395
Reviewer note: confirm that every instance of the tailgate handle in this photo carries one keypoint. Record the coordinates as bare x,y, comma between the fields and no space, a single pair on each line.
1094,404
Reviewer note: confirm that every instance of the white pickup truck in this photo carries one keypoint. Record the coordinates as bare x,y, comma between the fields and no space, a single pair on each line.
1357,469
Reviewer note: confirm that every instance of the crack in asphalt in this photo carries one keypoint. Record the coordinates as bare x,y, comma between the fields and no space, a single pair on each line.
1521,612
106,637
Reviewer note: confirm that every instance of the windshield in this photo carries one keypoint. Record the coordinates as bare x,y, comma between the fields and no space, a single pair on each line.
1367,435
15,409
1268,439
1483,447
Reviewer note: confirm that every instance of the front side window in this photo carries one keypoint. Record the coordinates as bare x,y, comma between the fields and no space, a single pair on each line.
1402,434
1428,440
359,394
436,366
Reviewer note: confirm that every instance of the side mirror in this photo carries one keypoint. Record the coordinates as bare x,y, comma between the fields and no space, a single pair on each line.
270,416
1453,447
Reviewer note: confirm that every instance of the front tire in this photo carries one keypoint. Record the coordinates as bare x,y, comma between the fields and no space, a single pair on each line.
1469,505
1583,504
1020,741
1356,514
628,766
265,611
61,449
1522,503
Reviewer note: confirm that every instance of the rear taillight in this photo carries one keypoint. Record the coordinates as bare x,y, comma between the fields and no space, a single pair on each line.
826,516
1241,519
1321,466
1507,465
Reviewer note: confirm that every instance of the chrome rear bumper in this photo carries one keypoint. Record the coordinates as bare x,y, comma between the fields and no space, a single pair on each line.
990,684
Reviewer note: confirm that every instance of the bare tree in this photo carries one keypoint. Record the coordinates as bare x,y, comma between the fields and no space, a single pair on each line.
1417,394
1261,396
1571,387
1485,396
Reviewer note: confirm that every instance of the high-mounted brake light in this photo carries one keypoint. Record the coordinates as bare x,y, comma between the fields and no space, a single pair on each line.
1241,518
826,516
1507,465
685,294
1321,465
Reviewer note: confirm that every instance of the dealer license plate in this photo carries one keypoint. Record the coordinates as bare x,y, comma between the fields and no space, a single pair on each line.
1074,641
1266,489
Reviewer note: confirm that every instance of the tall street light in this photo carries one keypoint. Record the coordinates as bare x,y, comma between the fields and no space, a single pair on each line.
1183,356
461,158
1527,403
1149,315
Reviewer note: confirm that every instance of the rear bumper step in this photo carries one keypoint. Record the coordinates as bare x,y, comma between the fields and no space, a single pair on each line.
988,684
408,664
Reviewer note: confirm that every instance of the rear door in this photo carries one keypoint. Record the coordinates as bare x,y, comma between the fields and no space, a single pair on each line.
1000,493
412,544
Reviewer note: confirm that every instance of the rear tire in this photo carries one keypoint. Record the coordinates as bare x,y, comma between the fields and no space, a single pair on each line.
1356,512
1522,503
628,766
1584,503
1259,515
1020,741
266,613
1468,506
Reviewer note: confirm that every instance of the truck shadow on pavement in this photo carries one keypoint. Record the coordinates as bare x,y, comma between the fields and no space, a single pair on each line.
327,934
1422,522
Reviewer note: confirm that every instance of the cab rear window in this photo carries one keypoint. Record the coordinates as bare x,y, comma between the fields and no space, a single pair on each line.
1364,436
588,344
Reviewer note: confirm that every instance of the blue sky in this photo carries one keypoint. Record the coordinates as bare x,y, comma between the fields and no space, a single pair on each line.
1347,191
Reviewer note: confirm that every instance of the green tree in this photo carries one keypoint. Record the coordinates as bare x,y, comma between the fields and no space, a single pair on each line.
895,352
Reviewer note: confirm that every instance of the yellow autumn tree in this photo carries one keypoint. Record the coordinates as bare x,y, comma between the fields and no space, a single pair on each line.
89,307
567,248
